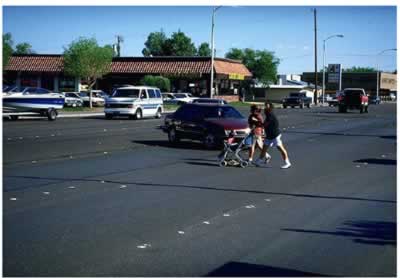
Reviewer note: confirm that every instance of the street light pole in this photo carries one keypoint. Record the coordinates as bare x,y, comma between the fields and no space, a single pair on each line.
377,69
212,51
323,65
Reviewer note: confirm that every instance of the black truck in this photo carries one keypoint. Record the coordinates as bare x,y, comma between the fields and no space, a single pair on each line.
297,99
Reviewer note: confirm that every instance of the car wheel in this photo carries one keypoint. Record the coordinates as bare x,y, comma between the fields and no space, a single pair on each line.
139,114
308,105
14,117
301,105
173,138
158,114
109,116
292,106
210,141
284,106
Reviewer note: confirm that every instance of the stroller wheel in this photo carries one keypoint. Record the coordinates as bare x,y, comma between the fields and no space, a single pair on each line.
244,164
223,163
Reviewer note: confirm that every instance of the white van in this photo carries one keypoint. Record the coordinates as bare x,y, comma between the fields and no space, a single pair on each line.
136,102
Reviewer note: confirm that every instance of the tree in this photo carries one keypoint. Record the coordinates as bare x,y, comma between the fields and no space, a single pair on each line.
160,82
155,44
204,49
179,45
359,69
7,48
23,48
262,63
85,59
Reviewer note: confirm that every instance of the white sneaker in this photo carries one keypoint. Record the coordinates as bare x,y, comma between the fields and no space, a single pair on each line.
286,165
267,158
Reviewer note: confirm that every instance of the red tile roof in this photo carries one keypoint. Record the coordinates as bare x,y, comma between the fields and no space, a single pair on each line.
140,65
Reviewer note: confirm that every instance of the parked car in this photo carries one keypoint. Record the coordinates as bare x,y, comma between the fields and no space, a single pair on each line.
208,123
209,100
177,98
353,98
297,99
374,100
169,98
135,102
97,97
333,101
326,98
72,99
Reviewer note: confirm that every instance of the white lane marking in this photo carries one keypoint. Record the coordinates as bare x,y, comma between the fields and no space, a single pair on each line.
105,129
102,181
365,163
9,139
227,214
71,156
181,232
52,135
13,199
383,155
250,206
206,222
105,152
20,138
143,246
122,186
46,193
37,136
71,187
268,200
34,161
358,166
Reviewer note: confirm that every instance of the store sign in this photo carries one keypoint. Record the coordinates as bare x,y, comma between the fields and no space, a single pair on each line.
388,81
334,73
236,76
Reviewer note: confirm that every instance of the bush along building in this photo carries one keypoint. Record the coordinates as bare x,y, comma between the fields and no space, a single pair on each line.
186,74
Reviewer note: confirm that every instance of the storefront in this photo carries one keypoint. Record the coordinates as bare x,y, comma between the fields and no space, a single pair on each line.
186,74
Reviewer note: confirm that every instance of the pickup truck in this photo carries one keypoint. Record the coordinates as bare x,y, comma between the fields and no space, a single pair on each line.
353,98
297,99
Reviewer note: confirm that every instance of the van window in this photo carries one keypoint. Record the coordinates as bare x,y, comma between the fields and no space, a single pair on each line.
152,93
133,93
143,94
158,93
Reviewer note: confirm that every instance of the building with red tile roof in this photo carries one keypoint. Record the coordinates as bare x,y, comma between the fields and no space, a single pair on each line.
191,74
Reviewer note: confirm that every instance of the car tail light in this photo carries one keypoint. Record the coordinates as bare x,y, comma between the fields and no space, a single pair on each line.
340,98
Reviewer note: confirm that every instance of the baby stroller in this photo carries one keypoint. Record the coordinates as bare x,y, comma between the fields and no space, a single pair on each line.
231,154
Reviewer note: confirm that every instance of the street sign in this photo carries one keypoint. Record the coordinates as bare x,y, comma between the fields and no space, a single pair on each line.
335,74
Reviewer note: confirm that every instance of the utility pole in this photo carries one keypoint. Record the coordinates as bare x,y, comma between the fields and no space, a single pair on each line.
120,40
212,52
315,57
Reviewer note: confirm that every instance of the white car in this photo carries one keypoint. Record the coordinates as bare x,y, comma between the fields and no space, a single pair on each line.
135,102
97,97
178,98
72,99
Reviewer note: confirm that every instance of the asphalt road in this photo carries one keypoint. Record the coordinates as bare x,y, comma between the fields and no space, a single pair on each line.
92,197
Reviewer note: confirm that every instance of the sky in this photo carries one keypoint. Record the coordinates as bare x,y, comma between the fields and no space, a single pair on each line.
287,31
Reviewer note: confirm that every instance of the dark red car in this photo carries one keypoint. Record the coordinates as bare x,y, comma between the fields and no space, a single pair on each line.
208,123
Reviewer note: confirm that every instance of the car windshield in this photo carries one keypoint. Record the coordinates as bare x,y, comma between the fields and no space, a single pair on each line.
222,112
132,93
83,94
